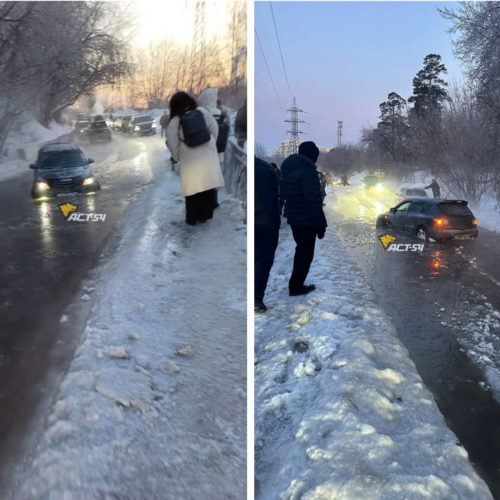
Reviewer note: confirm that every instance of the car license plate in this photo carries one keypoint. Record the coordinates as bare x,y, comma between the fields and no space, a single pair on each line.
463,237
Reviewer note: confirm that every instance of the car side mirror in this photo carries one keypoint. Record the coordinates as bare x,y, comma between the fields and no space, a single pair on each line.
90,160
33,166
393,209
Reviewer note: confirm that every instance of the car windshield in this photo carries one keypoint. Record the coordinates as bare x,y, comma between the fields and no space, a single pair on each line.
142,119
454,209
62,159
98,125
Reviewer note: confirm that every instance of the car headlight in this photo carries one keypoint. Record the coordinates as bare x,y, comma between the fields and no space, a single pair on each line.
379,187
137,127
88,181
42,186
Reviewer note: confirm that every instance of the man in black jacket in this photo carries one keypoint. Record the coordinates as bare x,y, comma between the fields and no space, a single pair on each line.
301,190
267,226
436,191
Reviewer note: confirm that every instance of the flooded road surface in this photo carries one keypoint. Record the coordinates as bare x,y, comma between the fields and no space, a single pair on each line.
47,265
445,303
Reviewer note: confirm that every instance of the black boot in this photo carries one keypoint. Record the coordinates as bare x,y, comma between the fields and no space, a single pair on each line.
303,290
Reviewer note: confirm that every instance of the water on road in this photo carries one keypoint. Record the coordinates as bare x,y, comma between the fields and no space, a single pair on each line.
444,301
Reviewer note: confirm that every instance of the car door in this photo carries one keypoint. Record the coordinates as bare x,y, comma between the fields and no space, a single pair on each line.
414,216
400,215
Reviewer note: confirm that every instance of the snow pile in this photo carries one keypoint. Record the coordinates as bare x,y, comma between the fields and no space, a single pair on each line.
154,403
340,409
29,138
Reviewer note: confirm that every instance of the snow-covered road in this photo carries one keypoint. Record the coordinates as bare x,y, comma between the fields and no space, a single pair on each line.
341,411
154,403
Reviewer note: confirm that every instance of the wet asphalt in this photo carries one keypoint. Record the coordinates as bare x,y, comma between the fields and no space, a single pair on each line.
48,268
435,298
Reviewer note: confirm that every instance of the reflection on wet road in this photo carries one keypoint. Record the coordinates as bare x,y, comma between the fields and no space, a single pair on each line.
439,299
45,260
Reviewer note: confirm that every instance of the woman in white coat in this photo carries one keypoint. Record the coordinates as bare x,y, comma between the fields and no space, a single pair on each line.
199,166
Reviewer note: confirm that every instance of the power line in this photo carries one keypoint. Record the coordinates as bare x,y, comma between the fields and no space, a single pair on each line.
279,45
268,70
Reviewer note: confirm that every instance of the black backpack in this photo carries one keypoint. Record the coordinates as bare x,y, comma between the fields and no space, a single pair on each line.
223,132
194,128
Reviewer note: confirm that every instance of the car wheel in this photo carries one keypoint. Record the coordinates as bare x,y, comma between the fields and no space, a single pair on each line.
422,234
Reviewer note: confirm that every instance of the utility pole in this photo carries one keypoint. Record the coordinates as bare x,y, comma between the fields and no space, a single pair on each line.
294,127
340,126
198,59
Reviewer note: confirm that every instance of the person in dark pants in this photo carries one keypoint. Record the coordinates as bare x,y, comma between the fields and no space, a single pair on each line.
301,190
267,225
436,191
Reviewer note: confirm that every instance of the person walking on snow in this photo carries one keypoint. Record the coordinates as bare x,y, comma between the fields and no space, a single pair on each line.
198,166
164,123
208,99
301,190
436,191
267,226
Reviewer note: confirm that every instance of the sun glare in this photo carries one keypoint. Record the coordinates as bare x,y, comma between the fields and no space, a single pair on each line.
159,20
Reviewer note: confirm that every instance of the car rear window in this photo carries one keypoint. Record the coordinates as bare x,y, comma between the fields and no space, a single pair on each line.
454,209
416,192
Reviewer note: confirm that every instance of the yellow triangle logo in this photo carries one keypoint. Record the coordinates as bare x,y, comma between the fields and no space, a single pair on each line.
67,208
386,239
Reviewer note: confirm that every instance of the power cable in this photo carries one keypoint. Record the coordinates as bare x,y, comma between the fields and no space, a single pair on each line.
268,70
279,46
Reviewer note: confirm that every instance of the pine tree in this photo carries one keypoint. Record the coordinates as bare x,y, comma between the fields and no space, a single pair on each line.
429,89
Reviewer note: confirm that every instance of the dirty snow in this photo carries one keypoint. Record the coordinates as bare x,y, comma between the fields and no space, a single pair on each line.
154,403
341,411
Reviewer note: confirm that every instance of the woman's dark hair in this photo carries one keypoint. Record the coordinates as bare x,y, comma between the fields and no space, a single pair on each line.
181,102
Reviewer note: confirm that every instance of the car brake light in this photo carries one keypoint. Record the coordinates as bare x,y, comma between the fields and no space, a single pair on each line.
475,222
439,221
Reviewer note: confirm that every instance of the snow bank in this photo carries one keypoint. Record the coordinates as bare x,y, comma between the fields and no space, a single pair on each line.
28,139
341,411
154,403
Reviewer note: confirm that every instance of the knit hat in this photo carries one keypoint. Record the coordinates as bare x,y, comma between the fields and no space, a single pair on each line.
310,150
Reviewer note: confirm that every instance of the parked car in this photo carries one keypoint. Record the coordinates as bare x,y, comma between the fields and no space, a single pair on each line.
62,168
407,192
141,125
429,218
97,131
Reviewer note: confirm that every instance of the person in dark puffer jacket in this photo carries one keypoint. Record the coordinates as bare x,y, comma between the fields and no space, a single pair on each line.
301,190
267,226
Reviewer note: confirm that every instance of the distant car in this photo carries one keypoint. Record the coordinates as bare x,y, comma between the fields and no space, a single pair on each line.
122,122
407,192
97,131
141,125
79,128
429,218
373,182
62,168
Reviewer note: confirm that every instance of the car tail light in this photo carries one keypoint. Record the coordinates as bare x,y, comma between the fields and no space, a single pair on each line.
440,221
475,222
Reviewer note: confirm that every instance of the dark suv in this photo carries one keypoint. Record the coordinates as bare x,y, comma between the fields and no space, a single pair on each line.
62,168
98,131
141,125
429,218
